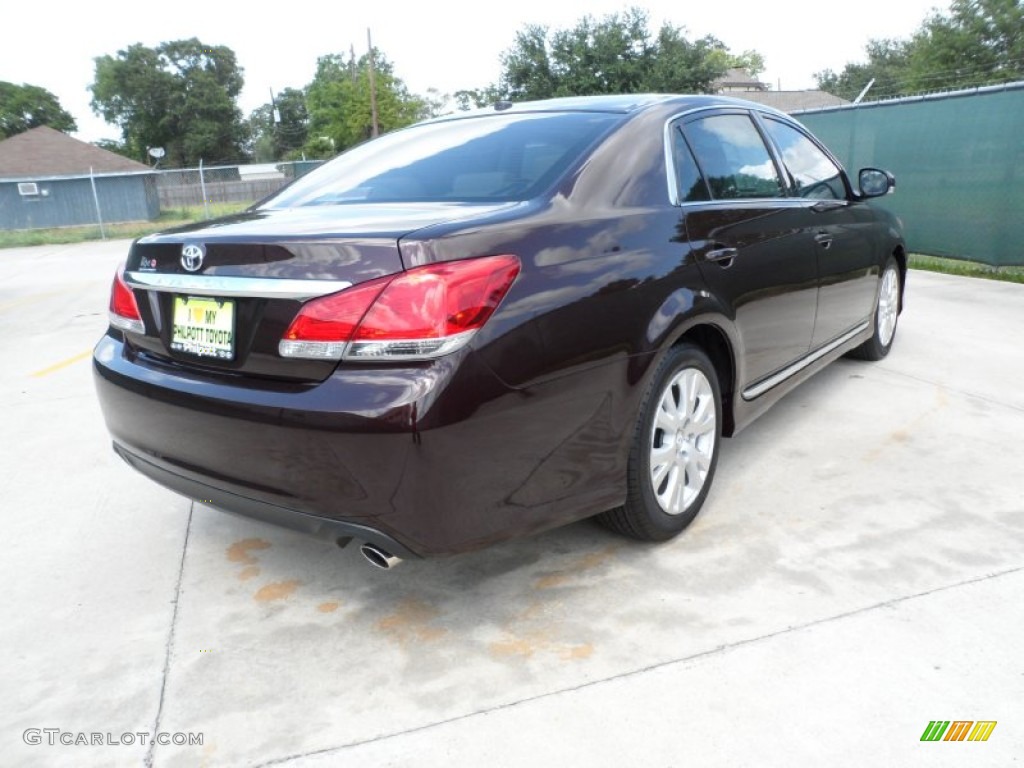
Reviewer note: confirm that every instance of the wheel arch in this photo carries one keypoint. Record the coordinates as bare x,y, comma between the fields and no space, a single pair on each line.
900,254
711,339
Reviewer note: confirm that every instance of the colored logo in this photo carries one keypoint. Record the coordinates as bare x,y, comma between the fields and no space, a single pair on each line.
958,730
192,256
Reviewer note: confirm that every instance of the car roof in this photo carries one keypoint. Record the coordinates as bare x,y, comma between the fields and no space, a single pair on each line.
615,103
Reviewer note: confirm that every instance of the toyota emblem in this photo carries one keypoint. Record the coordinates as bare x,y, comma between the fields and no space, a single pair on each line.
192,256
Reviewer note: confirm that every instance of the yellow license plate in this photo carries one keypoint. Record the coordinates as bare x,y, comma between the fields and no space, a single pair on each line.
204,327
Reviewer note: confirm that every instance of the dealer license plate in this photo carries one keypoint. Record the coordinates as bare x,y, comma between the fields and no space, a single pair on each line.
204,327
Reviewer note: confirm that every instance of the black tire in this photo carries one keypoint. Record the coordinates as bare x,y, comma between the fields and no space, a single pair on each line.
643,516
878,345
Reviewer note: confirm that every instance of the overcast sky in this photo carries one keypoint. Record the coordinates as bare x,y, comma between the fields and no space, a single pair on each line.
443,44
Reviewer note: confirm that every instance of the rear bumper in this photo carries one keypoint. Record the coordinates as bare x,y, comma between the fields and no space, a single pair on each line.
336,531
425,460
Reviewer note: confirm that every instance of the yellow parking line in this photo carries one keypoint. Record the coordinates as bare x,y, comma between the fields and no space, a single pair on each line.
62,364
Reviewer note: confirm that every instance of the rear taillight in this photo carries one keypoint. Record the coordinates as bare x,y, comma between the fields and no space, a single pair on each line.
416,315
124,311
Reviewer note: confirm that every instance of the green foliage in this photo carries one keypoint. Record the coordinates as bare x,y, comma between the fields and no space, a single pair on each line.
273,139
750,61
476,97
980,42
681,66
614,54
887,64
28,106
179,96
974,43
173,217
338,101
965,268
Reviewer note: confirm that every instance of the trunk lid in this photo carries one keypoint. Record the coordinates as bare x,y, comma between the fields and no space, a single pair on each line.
217,296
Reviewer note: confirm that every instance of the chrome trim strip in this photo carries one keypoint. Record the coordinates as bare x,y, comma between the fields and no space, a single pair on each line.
219,285
759,389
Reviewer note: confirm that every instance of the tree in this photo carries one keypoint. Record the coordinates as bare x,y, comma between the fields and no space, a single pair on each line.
28,106
338,100
681,66
976,42
887,65
277,136
476,97
749,61
979,42
614,54
179,96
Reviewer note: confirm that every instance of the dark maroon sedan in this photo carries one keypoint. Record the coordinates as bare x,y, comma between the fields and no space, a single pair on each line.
498,322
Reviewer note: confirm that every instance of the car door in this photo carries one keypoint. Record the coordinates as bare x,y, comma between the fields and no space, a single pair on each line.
835,227
745,236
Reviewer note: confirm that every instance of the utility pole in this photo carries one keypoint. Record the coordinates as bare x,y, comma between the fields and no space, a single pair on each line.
275,115
352,62
374,127
275,119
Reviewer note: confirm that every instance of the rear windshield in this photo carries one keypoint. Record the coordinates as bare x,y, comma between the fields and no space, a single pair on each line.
499,158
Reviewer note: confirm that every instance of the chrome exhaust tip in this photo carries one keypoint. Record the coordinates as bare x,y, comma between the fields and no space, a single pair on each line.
379,558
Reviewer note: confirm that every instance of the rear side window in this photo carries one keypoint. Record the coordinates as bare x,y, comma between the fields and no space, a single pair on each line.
690,183
492,158
734,158
814,174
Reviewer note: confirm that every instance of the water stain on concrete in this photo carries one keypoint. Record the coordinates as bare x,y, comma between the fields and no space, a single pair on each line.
524,646
328,607
239,552
527,644
535,630
572,653
278,590
587,562
904,434
249,572
411,622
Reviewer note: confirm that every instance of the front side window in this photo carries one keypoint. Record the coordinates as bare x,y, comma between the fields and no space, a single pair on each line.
493,158
814,174
734,158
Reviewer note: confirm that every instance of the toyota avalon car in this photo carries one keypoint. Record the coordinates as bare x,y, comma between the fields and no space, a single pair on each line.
497,322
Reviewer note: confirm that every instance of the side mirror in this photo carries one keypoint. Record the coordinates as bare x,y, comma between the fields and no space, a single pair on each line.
875,182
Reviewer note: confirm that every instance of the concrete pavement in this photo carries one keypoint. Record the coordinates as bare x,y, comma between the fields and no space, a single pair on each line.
855,574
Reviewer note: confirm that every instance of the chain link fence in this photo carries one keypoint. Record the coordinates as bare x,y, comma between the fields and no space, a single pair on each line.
211,185
958,158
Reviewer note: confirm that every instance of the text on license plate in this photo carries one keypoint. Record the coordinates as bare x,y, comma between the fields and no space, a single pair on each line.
204,327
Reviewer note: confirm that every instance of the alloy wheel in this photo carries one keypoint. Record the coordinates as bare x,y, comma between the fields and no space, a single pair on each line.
682,440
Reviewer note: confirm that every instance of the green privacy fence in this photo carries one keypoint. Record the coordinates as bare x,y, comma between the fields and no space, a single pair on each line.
959,165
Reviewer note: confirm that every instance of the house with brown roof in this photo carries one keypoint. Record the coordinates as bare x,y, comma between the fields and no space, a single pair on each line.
742,85
736,81
50,179
794,101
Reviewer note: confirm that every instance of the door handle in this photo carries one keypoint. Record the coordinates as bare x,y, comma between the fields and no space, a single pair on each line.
824,239
723,256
